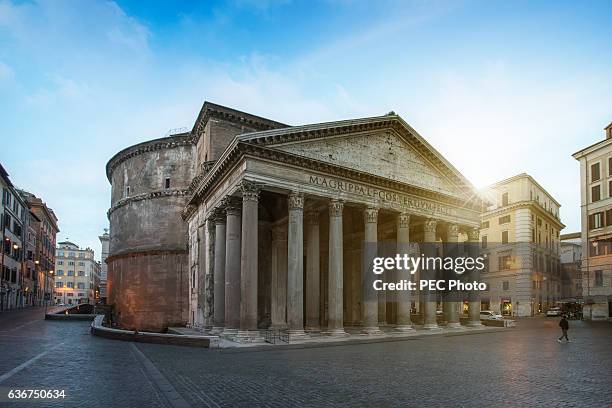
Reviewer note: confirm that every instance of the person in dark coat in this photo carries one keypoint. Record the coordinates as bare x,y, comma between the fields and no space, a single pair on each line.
564,325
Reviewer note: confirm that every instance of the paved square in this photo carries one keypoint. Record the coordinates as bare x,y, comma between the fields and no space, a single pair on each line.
524,366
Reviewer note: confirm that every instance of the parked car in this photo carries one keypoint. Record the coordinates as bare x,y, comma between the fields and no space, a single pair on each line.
553,311
490,315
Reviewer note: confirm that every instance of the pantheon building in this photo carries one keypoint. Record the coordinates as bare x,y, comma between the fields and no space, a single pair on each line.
244,224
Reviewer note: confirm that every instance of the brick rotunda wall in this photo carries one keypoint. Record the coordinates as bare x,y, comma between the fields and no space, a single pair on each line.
147,263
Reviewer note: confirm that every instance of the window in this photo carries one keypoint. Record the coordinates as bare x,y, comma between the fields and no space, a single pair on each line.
595,176
610,188
609,217
598,278
81,263
504,199
596,220
127,191
485,224
81,294
70,273
504,262
60,272
70,285
70,262
504,220
484,241
167,183
71,254
609,166
504,238
69,294
505,285
81,285
595,193
81,273
59,284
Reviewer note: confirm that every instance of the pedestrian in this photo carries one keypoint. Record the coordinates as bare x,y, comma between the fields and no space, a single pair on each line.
564,325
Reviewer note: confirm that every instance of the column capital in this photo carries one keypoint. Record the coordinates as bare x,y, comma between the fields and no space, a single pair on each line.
452,229
403,220
218,215
473,234
231,205
335,207
250,191
430,225
312,217
295,200
370,215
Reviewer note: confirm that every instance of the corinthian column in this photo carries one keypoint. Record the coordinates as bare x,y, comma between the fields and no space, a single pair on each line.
370,251
474,296
295,266
404,304
312,271
232,266
335,324
219,273
278,312
248,263
429,315
451,306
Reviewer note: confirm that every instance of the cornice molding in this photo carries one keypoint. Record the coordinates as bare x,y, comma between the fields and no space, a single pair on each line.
171,142
211,110
524,204
146,196
246,149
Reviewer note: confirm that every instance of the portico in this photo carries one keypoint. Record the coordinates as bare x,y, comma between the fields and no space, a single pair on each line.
293,213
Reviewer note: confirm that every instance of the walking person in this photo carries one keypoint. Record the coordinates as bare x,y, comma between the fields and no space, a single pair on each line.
564,325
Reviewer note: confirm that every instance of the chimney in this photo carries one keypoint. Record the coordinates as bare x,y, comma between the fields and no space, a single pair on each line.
608,130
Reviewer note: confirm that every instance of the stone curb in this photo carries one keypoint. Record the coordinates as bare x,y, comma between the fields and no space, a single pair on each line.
97,329
63,316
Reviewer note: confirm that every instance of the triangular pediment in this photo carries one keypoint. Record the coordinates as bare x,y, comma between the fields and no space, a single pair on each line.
383,153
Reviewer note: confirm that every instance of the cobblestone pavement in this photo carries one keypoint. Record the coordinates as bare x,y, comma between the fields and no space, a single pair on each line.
524,366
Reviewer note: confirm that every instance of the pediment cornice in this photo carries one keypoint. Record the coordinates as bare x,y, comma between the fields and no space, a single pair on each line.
239,150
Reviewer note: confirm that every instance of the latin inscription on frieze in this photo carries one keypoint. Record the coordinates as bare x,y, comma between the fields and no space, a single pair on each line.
384,196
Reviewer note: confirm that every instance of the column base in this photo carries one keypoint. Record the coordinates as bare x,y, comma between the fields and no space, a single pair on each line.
403,328
431,326
229,332
454,325
474,323
248,336
312,329
216,330
297,334
278,326
372,331
336,333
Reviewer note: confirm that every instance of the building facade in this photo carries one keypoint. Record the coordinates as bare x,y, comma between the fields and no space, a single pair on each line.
12,223
571,267
77,275
104,241
596,233
520,231
44,225
246,223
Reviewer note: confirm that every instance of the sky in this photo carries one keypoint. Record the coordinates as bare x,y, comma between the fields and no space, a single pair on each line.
498,88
